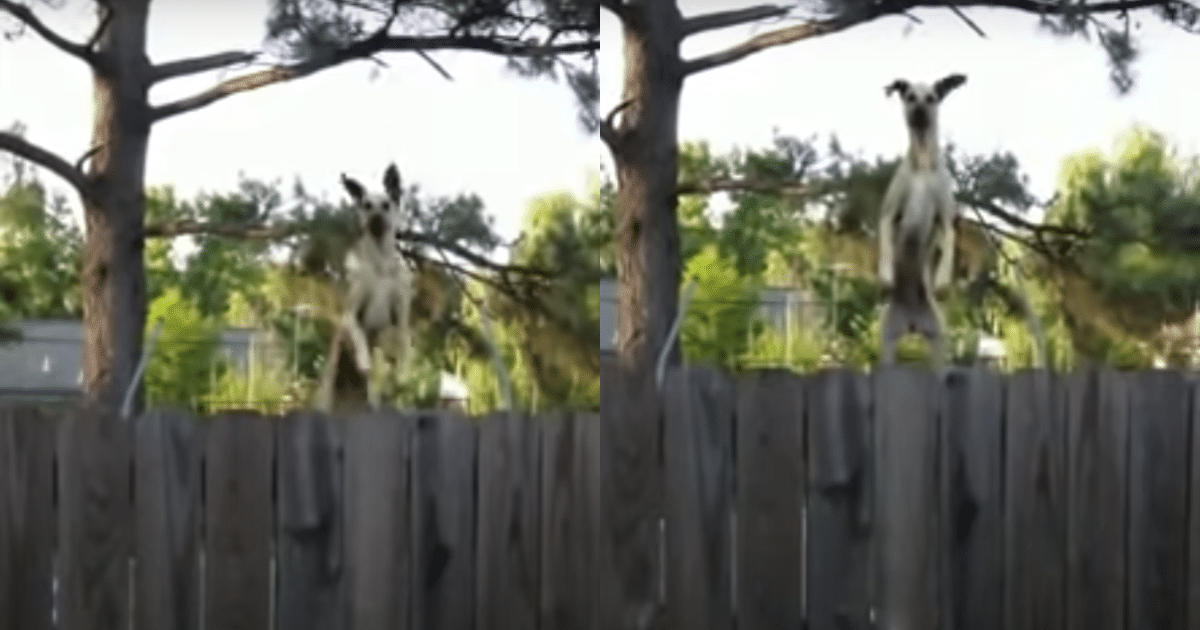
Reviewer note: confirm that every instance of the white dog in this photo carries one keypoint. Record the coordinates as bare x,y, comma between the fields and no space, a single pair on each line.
918,204
381,281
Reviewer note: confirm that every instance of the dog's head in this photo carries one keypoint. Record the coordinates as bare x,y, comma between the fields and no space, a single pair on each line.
378,215
921,100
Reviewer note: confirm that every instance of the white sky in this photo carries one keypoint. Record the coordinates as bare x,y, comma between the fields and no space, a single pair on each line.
505,138
1028,92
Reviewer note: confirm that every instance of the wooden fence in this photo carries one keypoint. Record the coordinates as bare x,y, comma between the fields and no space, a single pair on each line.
1071,502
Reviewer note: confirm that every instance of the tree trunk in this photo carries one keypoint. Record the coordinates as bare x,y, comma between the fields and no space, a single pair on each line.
645,152
114,284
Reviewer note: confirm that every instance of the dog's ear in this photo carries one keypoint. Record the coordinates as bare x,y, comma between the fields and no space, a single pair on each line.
899,85
391,183
355,189
947,84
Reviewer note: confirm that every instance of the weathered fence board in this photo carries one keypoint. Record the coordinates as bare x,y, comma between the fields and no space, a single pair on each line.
598,593
975,412
1158,501
509,522
698,450
443,523
377,538
1097,436
560,599
905,520
770,475
167,450
1193,620
94,520
1035,500
308,519
239,520
26,518
838,535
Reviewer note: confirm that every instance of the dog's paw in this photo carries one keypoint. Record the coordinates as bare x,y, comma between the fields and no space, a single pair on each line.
886,279
363,359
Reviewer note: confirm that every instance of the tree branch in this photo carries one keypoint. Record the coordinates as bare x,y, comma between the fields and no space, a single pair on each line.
730,184
24,149
380,42
608,127
880,8
725,19
194,65
26,16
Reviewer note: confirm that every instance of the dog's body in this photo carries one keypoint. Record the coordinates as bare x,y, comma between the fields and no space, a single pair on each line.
381,282
916,225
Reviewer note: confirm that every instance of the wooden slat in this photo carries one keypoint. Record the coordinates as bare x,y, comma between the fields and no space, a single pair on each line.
509,518
906,524
975,413
239,520
597,589
838,538
1097,439
166,520
1194,510
562,574
771,468
443,522
1158,460
698,486
377,537
308,519
1035,499
94,520
26,517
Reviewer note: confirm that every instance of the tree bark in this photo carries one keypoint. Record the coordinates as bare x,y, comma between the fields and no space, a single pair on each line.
645,152
114,285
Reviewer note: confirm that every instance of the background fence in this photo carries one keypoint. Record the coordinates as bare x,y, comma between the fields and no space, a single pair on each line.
1071,502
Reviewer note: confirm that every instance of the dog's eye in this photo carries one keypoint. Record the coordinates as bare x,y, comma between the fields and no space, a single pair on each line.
929,98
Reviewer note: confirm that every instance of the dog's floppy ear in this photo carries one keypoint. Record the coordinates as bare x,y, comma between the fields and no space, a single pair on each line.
391,182
355,189
947,84
899,85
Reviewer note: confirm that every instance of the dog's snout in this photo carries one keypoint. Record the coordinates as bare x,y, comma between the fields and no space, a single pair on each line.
919,118
376,225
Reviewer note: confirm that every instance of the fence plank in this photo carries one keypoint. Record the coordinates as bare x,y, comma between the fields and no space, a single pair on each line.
166,517
26,517
597,587
770,492
1194,510
1035,496
838,538
239,520
698,485
1157,500
378,578
1098,435
562,574
443,523
906,549
509,519
308,522
94,520
975,412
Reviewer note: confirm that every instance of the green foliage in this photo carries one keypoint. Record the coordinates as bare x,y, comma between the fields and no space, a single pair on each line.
720,321
185,360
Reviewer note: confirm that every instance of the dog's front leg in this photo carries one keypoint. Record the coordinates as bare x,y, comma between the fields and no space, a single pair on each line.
355,299
945,267
889,212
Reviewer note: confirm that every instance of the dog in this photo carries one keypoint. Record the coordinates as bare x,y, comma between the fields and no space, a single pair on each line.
381,281
918,205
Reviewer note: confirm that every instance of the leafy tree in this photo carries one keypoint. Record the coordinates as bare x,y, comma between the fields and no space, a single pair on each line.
309,36
184,362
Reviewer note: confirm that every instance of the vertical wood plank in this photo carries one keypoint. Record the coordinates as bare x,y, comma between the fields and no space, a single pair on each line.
838,538
632,489
239,520
309,522
1158,500
26,517
1097,439
508,531
698,486
770,475
1194,508
166,521
1035,499
377,539
597,587
975,412
443,523
563,571
907,508
94,520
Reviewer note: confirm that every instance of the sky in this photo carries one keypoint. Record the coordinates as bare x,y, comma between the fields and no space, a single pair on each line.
1038,96
505,138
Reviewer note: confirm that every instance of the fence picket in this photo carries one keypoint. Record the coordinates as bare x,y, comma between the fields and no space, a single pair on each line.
26,517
